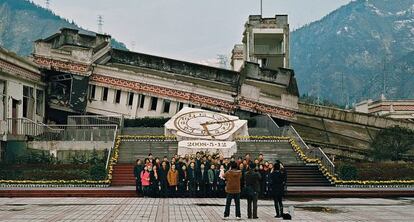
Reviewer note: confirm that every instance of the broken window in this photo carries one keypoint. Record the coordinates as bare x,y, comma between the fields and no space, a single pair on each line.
2,100
167,104
105,94
153,106
130,99
28,102
39,102
180,106
118,96
92,89
141,101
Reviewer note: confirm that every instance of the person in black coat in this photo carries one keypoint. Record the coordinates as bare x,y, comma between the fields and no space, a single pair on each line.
252,182
182,181
137,174
162,174
278,183
192,179
202,180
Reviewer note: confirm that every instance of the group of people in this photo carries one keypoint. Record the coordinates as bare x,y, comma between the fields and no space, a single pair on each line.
204,175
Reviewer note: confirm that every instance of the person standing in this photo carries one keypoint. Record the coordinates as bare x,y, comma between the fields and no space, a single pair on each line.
221,183
137,174
172,178
182,182
192,179
252,190
232,178
277,189
145,181
154,181
212,180
162,175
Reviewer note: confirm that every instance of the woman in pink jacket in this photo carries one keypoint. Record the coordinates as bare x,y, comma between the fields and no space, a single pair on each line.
145,181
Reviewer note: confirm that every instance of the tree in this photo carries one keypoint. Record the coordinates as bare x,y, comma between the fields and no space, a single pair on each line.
392,143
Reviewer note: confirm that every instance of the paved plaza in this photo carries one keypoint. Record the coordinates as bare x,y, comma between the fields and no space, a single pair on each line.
209,209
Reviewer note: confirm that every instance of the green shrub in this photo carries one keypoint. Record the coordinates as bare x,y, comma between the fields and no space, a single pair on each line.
97,172
348,172
392,143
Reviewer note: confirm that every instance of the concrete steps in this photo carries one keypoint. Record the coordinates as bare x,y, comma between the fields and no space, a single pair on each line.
143,131
305,175
259,132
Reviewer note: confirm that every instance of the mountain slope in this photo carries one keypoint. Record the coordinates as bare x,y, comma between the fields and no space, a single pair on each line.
345,56
22,22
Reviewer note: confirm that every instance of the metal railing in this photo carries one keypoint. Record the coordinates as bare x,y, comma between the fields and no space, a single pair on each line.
96,120
42,132
314,152
266,121
26,127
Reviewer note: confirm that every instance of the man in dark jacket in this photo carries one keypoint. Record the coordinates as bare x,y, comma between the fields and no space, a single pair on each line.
252,190
202,180
137,174
192,179
278,181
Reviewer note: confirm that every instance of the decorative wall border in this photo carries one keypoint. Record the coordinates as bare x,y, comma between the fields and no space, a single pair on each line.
263,108
196,98
162,91
76,68
14,69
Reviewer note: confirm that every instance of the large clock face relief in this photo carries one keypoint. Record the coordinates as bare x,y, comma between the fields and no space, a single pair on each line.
202,123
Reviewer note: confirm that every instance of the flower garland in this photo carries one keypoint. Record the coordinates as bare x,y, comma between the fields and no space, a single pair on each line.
261,138
114,159
334,180
148,137
70,183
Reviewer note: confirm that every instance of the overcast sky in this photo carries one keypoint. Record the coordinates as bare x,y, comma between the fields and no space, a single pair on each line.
193,30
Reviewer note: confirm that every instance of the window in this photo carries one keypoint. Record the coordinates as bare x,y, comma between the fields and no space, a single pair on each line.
180,107
105,94
167,104
118,96
153,106
141,101
28,102
39,102
130,99
92,89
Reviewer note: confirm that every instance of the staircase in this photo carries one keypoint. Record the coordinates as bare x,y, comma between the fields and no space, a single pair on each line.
271,151
130,151
123,175
143,131
299,174
305,175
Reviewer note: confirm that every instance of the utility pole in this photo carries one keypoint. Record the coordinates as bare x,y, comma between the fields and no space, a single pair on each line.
133,45
384,76
222,60
100,23
47,4
261,8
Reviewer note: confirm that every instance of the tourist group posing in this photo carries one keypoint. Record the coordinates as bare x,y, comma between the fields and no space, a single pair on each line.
204,175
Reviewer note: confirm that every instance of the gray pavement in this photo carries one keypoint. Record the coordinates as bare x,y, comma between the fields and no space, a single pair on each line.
209,209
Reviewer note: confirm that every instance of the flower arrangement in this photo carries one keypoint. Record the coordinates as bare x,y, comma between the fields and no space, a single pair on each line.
148,137
262,138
